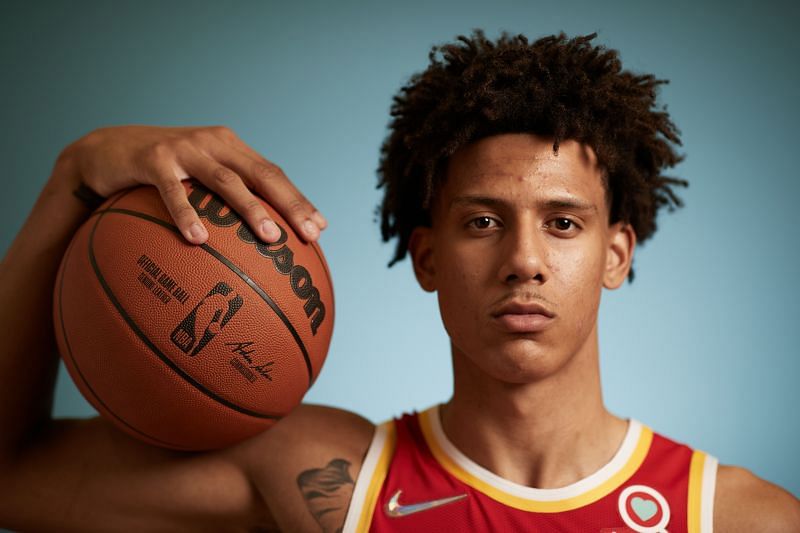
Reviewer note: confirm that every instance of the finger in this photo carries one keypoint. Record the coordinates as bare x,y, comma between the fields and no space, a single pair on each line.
173,194
270,181
229,185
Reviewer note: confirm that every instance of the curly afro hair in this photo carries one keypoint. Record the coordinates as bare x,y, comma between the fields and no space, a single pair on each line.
555,87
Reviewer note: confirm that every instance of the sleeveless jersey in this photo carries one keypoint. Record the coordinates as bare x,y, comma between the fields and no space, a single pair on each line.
413,479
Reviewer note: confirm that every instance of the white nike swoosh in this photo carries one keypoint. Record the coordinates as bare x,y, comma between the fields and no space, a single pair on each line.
394,509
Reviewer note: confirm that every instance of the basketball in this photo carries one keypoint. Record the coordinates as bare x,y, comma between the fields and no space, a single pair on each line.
190,347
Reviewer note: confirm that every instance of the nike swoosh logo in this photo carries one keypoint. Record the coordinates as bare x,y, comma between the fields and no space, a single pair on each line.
395,509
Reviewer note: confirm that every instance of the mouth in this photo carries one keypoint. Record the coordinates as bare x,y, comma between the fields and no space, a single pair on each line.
523,317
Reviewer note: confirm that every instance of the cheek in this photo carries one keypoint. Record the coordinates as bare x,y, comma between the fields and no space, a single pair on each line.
460,288
580,277
581,260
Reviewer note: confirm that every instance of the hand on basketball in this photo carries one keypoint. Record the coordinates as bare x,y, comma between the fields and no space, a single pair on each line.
112,159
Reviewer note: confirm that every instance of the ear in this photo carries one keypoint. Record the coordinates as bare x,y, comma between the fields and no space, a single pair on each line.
420,245
619,255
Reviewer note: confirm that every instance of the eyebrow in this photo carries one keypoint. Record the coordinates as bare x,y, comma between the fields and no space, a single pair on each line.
566,202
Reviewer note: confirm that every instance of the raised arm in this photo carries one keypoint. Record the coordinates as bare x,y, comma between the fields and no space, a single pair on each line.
84,474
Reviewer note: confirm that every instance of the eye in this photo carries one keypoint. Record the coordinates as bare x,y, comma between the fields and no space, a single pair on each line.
563,226
482,223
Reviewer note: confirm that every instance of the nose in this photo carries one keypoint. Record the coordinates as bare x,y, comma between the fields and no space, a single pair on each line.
524,257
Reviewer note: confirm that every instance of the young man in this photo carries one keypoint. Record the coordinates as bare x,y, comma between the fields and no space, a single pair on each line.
519,177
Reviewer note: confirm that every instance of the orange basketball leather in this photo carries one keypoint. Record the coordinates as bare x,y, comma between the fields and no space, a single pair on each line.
184,346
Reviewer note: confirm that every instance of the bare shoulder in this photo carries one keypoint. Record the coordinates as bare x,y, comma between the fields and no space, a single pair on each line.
306,465
745,502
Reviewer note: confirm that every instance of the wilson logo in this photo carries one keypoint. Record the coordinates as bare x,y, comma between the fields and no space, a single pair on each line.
210,206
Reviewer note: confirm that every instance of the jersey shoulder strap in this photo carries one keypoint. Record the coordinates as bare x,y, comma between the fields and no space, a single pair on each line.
371,477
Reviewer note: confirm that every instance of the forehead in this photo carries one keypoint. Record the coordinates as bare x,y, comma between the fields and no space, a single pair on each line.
524,166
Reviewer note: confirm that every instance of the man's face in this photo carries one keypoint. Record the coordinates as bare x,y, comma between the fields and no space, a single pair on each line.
518,252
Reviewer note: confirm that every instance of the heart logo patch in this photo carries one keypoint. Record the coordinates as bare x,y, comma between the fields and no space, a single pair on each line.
643,509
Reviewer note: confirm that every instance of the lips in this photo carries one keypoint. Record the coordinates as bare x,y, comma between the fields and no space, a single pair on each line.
523,317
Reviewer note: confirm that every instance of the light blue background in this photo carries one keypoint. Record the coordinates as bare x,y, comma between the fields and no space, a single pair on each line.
702,346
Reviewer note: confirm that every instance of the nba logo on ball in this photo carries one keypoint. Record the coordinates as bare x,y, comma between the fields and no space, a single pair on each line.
644,509
215,311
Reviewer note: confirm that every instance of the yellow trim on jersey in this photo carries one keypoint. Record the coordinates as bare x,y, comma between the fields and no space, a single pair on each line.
524,504
695,491
378,477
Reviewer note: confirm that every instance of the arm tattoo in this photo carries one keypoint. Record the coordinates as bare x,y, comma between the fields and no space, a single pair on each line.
327,492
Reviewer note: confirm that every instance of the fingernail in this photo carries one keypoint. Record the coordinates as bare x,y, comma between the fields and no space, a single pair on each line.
319,219
311,229
197,232
270,230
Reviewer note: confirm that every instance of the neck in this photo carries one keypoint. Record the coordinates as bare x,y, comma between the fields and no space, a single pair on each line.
546,434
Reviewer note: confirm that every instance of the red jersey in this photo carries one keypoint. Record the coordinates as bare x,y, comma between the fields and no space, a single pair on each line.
413,479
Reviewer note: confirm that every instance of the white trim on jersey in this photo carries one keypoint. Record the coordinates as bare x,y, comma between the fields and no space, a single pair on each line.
707,494
364,479
620,459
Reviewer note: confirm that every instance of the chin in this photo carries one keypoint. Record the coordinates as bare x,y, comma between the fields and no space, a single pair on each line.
521,361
